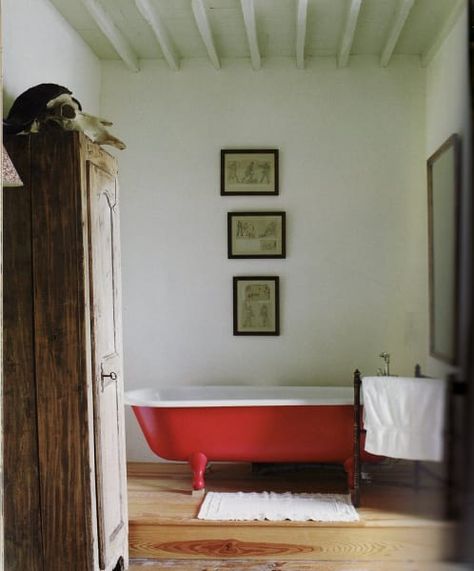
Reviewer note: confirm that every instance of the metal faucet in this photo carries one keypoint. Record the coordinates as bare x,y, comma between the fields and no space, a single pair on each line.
385,372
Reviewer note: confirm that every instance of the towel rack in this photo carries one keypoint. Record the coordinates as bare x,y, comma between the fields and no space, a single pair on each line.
455,388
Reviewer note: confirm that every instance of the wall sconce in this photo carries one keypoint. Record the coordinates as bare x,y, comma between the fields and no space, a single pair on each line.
10,177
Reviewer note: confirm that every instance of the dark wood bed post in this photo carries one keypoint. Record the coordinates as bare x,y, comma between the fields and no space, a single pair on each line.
357,431
450,443
416,465
456,388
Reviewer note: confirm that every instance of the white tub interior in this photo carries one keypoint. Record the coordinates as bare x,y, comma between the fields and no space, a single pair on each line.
220,396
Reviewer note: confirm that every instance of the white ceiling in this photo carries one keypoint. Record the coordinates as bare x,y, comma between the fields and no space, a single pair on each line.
217,29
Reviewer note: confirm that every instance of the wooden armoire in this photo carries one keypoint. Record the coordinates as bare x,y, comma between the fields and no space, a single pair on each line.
64,450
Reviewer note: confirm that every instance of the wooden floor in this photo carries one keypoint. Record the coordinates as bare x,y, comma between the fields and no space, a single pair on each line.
400,528
246,565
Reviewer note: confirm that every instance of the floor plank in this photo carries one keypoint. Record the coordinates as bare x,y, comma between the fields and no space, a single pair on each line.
245,565
397,523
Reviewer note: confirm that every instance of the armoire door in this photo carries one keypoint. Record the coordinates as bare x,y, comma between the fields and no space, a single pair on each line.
104,268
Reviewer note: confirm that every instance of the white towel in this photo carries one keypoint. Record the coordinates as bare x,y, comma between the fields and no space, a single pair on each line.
404,417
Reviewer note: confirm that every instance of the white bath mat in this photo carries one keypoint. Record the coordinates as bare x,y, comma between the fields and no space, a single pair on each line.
271,506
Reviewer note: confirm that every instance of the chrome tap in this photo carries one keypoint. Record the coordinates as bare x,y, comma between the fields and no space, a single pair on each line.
385,372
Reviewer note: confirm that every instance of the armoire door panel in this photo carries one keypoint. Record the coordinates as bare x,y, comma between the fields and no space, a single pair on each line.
107,362
103,262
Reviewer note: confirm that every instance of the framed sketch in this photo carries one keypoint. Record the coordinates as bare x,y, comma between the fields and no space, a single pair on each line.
256,305
444,176
245,172
256,235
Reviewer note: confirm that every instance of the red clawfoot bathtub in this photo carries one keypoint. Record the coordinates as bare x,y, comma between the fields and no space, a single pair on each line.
248,424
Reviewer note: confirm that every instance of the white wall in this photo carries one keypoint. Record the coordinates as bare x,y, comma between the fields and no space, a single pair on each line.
448,112
39,46
353,186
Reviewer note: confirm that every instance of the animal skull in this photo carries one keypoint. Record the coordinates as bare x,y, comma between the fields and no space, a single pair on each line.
65,111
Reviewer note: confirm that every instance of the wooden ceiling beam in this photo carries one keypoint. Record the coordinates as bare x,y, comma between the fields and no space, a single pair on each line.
202,22
112,33
248,10
347,39
401,17
301,23
155,21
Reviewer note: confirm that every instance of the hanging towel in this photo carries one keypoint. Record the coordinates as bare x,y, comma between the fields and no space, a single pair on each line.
404,417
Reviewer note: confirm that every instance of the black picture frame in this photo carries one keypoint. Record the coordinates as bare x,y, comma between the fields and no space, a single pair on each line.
246,172
256,305
256,234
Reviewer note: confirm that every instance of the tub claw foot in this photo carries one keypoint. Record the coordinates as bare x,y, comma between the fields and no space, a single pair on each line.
198,463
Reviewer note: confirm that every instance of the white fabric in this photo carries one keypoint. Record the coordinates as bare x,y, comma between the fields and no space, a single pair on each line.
242,506
404,417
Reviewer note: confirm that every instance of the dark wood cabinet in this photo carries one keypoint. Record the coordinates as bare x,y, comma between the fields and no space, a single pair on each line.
64,455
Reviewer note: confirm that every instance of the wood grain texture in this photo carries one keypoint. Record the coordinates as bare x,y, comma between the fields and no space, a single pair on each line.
59,347
312,565
397,524
233,548
23,540
330,544
98,156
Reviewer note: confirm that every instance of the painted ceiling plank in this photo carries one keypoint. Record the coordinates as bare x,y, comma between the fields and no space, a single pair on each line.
112,33
301,22
202,21
448,25
248,10
397,27
153,18
349,32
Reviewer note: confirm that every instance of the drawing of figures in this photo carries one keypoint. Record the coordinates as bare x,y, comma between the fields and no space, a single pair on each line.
257,292
249,175
264,315
249,230
232,172
245,230
269,230
249,171
264,172
247,314
268,245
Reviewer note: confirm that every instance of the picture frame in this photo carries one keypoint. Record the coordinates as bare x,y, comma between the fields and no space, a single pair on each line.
249,172
444,191
256,234
256,307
